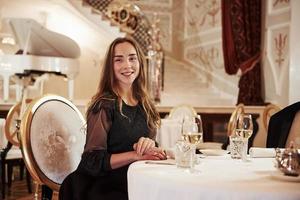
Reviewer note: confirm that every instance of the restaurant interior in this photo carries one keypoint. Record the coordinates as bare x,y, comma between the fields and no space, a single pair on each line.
209,60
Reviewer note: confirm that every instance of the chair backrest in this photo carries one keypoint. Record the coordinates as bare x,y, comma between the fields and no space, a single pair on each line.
269,110
10,126
232,121
181,111
52,139
280,125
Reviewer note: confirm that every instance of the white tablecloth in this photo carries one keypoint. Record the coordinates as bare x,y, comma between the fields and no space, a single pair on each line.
219,178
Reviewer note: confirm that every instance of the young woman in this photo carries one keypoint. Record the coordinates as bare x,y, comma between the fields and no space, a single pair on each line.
121,128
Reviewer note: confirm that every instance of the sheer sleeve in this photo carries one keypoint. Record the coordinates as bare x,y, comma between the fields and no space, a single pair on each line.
95,160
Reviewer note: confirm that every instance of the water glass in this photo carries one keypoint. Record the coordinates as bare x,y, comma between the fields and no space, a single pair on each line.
184,154
238,147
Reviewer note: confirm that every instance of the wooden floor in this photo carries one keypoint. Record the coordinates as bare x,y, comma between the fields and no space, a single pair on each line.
19,191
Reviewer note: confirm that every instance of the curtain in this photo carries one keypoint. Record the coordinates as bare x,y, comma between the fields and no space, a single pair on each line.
241,33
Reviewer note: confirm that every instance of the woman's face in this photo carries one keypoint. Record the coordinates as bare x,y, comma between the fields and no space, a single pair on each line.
126,64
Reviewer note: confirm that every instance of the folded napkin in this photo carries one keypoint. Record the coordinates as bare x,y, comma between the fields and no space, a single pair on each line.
258,152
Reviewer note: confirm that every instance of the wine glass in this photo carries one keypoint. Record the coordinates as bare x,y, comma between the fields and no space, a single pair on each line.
244,130
192,130
192,133
244,125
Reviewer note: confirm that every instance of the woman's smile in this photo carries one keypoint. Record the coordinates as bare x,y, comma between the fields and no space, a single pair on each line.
127,73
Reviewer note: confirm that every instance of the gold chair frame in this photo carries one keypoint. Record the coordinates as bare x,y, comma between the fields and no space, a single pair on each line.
10,129
237,111
269,110
183,106
31,163
11,135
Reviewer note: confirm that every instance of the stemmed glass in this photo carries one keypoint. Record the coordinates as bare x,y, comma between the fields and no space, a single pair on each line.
192,133
244,130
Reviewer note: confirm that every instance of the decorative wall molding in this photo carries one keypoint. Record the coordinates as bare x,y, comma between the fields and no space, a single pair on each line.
278,54
165,26
208,57
201,16
276,7
208,54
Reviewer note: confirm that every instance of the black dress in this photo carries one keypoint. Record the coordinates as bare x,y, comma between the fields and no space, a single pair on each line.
108,132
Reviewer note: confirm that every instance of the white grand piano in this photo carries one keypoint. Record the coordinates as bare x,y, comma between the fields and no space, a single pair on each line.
40,51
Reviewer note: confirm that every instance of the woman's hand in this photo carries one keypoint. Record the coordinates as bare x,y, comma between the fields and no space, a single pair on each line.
153,153
143,145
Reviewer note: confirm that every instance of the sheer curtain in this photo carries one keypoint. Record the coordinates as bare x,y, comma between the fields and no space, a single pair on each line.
241,23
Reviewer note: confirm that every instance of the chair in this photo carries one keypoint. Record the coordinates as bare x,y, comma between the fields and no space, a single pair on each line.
181,111
232,122
10,126
11,156
171,127
234,115
269,110
282,126
52,141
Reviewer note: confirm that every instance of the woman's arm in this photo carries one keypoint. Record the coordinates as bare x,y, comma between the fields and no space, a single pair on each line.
122,159
96,161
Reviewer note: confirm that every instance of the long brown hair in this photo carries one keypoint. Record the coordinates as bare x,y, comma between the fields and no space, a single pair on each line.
107,84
